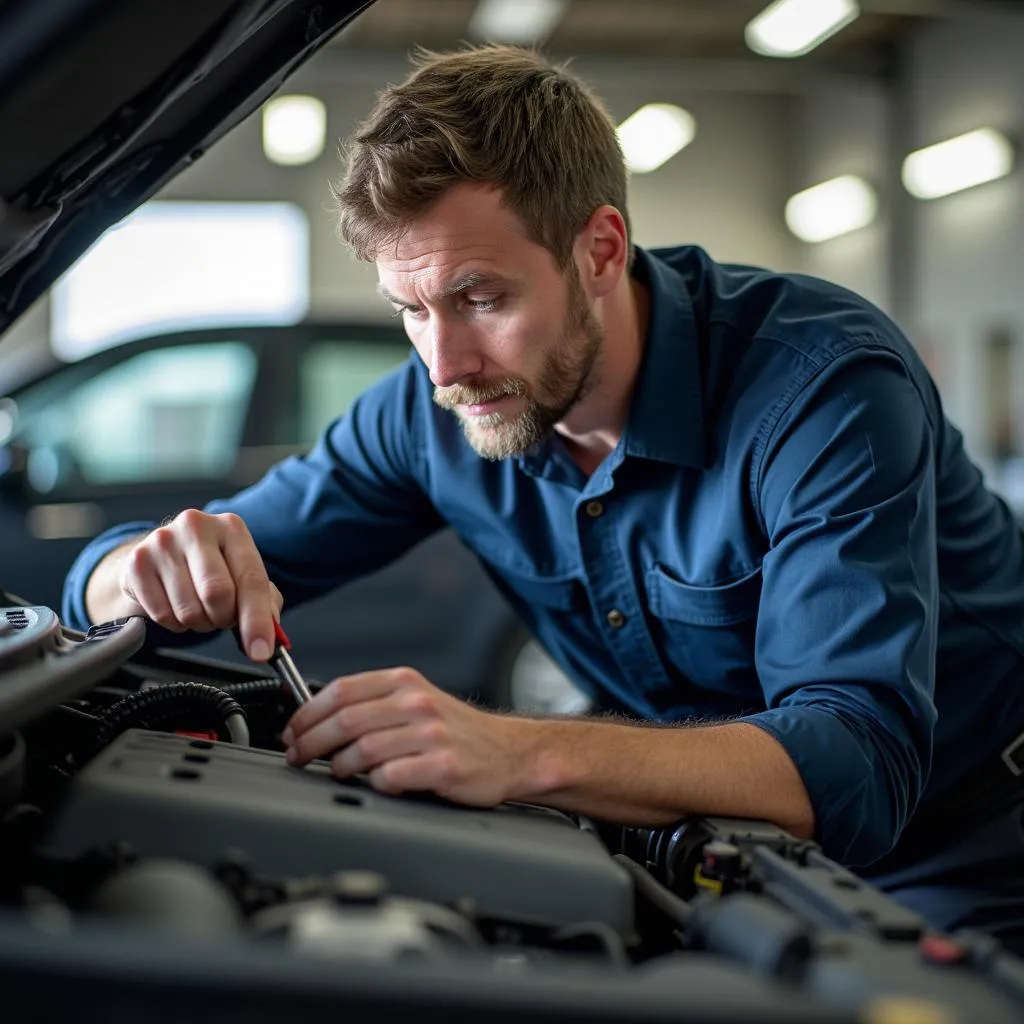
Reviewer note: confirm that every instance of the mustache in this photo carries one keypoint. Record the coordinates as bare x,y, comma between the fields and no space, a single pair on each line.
476,394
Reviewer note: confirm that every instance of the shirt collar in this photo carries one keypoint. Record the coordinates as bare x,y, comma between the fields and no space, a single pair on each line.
666,418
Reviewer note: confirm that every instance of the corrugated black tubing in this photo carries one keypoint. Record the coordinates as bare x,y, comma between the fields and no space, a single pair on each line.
184,705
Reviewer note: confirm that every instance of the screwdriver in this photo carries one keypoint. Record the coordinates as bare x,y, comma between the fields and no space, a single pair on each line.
281,662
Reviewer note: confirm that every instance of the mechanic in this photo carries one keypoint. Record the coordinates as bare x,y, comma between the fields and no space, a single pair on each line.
726,500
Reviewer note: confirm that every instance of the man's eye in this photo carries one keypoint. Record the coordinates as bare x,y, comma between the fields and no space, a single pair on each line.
411,310
481,305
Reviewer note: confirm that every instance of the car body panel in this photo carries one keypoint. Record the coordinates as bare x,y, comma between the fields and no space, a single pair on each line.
104,101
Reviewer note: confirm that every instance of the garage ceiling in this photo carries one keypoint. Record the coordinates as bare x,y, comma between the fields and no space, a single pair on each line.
706,29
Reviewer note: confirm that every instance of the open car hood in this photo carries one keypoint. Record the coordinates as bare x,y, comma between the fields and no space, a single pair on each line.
104,101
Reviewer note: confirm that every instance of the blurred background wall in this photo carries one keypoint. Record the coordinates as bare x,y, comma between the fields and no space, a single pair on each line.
726,196
950,270
905,74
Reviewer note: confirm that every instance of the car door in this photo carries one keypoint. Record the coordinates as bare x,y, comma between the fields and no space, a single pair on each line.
138,432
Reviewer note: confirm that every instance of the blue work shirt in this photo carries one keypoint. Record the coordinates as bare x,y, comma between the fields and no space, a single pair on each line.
788,533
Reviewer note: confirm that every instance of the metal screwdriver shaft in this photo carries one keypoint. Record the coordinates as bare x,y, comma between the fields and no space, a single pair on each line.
285,667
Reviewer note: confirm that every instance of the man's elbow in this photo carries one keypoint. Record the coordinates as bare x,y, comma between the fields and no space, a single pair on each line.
795,813
871,825
801,823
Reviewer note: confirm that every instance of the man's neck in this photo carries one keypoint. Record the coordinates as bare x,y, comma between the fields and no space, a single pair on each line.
594,427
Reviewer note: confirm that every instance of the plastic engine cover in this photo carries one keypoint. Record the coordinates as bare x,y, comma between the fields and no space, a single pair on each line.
169,796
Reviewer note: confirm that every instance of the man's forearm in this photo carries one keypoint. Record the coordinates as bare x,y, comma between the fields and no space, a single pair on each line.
104,599
641,775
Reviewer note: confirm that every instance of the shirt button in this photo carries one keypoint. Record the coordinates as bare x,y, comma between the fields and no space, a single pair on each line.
616,619
594,509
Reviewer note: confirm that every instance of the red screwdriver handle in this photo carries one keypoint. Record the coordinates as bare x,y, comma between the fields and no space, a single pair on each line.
282,637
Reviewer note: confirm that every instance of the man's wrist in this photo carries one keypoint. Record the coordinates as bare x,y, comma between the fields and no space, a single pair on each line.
103,598
542,759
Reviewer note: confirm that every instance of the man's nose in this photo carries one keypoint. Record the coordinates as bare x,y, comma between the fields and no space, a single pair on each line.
453,355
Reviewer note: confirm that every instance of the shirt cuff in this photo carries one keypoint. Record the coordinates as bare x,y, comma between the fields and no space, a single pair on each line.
852,783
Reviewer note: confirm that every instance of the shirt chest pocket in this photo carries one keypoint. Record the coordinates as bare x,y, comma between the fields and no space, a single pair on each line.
707,633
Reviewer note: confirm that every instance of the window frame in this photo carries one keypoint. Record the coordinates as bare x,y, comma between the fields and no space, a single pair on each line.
77,373
346,334
273,404
285,348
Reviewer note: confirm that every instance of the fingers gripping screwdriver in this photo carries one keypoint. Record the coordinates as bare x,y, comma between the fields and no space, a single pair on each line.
281,662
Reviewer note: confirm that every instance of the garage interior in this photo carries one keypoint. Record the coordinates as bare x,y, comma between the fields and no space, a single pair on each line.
222,327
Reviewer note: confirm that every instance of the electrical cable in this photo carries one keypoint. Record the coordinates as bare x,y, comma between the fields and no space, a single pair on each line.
77,713
155,708
238,728
251,690
655,893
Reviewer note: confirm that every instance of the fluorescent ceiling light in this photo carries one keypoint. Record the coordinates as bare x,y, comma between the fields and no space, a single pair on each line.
831,209
791,28
294,129
516,21
956,164
654,134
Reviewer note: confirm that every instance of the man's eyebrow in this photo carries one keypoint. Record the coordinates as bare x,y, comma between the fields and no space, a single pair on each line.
460,284
381,290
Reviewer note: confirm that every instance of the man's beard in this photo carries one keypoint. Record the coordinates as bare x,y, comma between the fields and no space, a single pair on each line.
566,377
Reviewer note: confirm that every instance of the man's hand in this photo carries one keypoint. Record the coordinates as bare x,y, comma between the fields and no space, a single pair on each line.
409,735
201,572
406,734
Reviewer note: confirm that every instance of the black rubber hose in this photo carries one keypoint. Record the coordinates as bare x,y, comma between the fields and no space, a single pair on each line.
253,690
752,930
676,909
156,707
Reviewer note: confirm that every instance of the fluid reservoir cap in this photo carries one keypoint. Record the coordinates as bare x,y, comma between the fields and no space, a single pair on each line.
358,888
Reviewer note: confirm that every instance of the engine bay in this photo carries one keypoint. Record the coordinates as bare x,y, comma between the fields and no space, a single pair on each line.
156,847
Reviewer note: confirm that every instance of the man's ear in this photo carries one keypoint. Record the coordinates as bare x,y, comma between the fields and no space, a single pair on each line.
602,251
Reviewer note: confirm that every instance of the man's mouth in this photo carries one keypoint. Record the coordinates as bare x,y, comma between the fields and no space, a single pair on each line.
486,407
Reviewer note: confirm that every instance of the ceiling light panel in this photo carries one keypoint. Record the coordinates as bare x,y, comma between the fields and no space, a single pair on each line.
294,129
831,209
792,28
516,21
957,164
654,134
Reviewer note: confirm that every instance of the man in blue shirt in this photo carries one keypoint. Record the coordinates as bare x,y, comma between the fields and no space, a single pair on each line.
723,499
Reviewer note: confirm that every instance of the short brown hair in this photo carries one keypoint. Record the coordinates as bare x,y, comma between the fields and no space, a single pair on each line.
493,114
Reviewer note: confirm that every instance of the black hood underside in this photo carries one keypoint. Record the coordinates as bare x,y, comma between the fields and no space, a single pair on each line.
104,101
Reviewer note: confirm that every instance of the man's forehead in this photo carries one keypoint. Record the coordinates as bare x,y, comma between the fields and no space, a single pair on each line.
420,252
466,221
422,242
439,283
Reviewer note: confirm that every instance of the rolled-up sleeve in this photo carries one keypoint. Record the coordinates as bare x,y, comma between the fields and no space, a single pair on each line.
846,634
349,506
